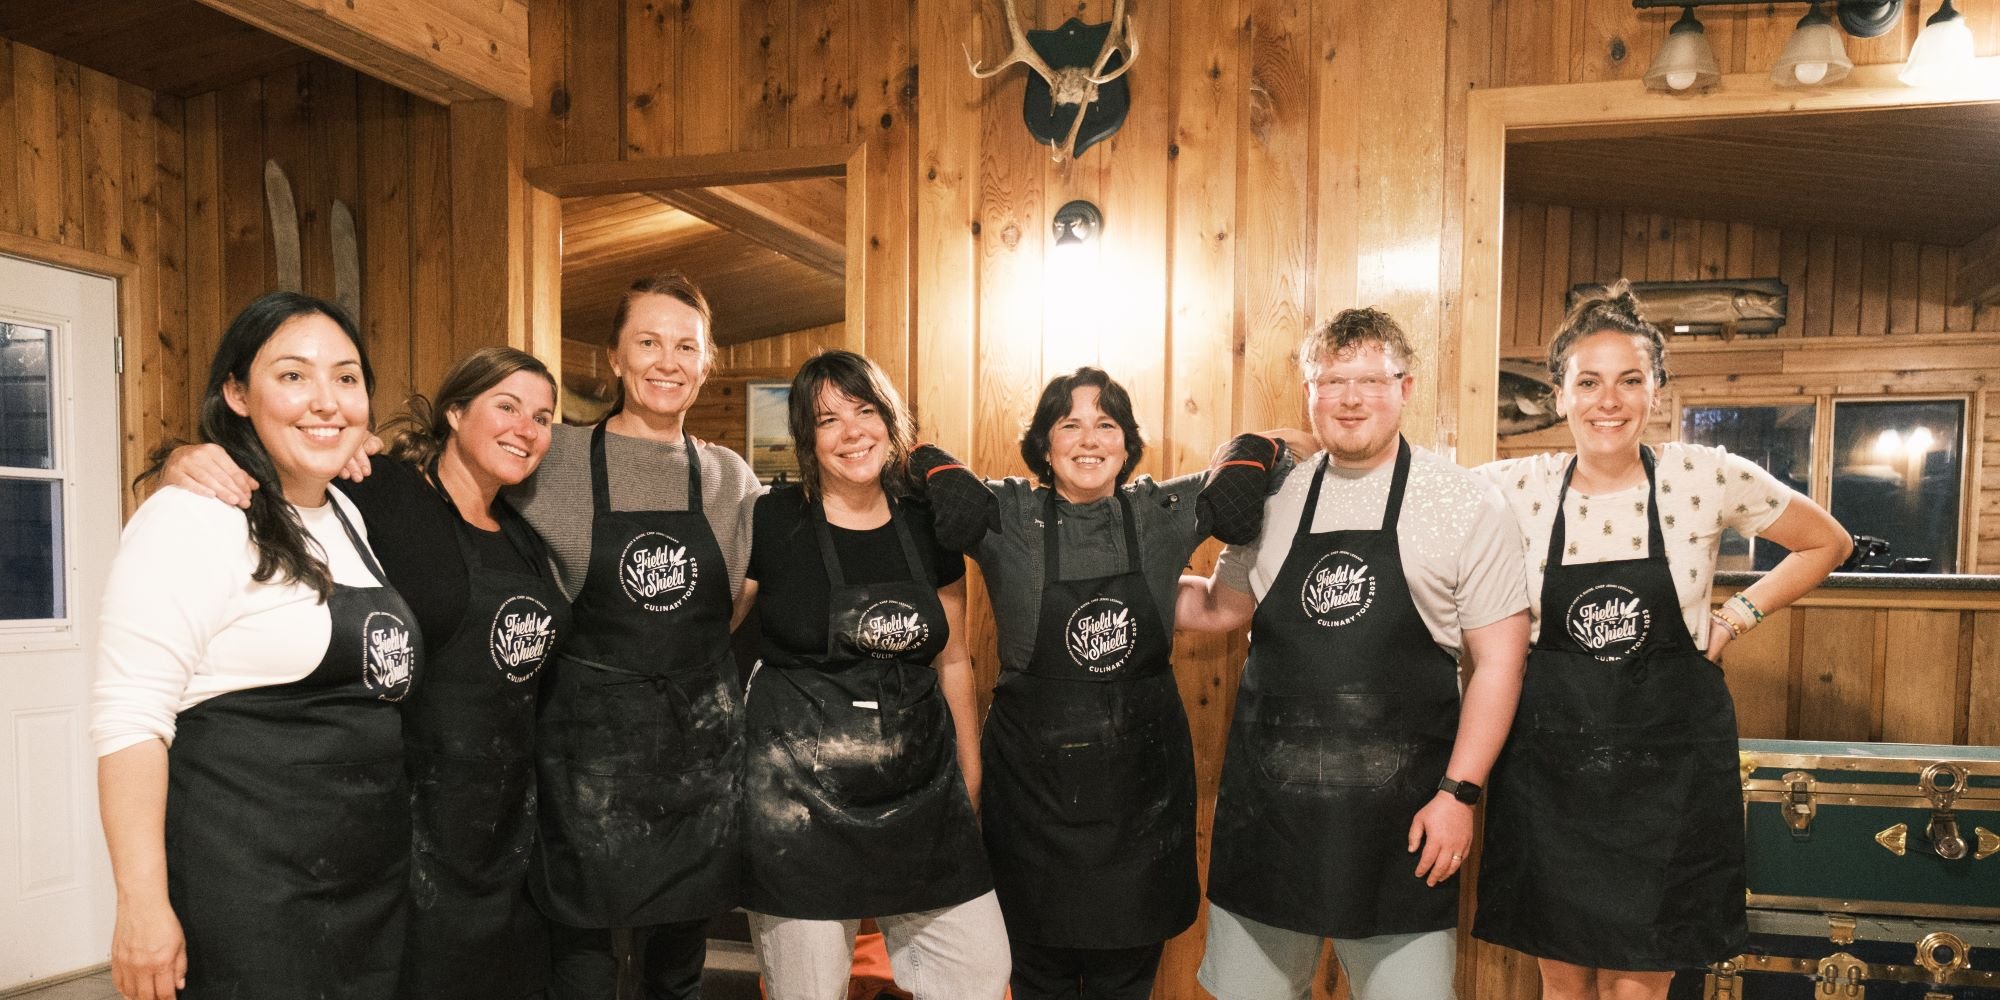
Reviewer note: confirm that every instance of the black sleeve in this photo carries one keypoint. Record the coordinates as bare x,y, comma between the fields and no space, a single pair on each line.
412,533
947,565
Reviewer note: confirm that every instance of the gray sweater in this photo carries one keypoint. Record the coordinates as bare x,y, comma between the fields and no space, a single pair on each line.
644,475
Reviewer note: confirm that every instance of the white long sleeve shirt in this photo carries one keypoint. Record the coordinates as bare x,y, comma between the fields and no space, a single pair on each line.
183,622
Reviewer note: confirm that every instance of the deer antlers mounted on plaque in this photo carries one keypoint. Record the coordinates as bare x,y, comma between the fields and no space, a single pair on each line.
1072,101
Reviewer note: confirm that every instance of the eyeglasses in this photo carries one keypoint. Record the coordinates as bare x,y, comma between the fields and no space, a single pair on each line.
1371,386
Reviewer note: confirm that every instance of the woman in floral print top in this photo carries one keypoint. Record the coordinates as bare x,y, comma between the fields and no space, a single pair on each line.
1614,847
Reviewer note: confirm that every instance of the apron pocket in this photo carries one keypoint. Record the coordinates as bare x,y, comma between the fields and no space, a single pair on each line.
474,817
875,751
1307,740
355,828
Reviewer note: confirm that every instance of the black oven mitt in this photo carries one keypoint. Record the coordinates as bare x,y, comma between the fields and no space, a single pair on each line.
962,508
1231,505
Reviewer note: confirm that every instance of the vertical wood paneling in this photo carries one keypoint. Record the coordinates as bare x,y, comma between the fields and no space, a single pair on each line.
103,200
707,63
822,90
652,64
1274,269
952,231
431,252
1136,185
38,156
1983,722
1874,288
240,124
764,90
1836,692
179,364
160,401
886,69
1918,706
69,151
12,197
1758,668
385,183
205,310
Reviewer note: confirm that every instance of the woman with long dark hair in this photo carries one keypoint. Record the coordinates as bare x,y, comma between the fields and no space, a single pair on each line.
491,615
863,750
249,667
1614,841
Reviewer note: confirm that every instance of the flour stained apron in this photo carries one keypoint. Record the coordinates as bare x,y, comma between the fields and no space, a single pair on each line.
1344,724
639,751
1088,778
288,817
469,737
1614,829
855,805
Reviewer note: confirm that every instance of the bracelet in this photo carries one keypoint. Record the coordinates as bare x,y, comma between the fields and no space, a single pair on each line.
1720,619
1755,616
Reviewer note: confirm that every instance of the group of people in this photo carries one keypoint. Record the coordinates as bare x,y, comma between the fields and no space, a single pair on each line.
454,727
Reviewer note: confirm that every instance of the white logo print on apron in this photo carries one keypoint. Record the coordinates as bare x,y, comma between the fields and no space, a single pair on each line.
1609,621
890,627
1101,634
1338,589
656,572
520,637
386,655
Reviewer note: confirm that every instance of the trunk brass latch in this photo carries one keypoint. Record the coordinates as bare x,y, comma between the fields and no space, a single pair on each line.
1798,803
1942,782
1842,975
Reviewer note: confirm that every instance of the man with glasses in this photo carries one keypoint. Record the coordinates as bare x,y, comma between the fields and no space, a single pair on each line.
1353,763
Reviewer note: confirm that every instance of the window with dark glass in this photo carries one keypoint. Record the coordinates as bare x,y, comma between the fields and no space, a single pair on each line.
31,487
1777,436
1898,475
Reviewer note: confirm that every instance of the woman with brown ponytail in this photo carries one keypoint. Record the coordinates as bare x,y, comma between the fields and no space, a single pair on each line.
1614,841
485,599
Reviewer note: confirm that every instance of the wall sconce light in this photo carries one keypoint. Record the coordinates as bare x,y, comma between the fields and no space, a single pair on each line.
1076,223
1685,60
1814,55
1944,50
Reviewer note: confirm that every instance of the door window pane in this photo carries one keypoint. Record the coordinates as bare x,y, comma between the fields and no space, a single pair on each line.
31,549
1777,437
1897,470
25,398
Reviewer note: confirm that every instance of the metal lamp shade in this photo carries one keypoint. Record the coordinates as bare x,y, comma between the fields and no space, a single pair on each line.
1684,61
1943,53
1813,56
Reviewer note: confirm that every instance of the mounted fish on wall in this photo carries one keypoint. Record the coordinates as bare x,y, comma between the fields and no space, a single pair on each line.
1527,398
1741,305
1073,101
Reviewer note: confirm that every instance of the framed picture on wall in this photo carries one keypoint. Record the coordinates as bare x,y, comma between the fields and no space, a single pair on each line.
769,434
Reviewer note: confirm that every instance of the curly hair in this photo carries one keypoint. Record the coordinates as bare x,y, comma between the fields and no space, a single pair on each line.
1350,329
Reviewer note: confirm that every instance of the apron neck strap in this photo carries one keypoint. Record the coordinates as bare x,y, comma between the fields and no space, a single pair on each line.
1656,539
1399,481
360,547
1052,552
511,526
831,559
600,479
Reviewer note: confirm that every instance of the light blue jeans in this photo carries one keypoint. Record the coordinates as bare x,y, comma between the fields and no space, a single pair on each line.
1246,960
955,953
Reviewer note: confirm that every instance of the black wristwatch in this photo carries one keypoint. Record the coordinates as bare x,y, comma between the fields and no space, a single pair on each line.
1463,791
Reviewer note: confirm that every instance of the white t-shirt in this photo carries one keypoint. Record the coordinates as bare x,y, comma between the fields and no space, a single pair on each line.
1460,545
1703,489
182,621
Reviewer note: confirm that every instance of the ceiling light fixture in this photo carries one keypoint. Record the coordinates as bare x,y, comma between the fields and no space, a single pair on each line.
1684,60
1943,53
1814,55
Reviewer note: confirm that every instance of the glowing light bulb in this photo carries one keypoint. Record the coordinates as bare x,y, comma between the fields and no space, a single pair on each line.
1889,444
1681,79
1810,73
1919,441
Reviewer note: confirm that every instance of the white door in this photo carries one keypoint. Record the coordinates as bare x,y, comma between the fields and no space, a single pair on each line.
59,481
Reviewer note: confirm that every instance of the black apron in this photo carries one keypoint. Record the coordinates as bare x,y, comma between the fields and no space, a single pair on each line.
1614,829
1088,791
469,735
855,807
288,817
1344,724
639,753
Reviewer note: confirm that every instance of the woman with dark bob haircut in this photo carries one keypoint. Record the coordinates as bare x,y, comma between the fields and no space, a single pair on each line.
1088,809
249,666
486,601
863,758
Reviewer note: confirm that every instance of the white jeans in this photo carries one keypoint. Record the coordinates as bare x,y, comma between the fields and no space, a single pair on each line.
1246,960
955,953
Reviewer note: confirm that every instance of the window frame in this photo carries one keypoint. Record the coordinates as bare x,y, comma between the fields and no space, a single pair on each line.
32,634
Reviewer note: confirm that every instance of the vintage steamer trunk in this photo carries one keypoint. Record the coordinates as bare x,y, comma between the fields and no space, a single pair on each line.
1874,871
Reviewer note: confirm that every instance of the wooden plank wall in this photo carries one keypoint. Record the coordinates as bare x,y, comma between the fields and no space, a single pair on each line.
1866,317
90,163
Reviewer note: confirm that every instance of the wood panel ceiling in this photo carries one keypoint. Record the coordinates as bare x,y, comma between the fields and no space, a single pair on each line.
773,271
174,47
1922,174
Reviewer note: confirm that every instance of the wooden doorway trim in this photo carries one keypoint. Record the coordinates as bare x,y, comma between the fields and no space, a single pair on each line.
1491,114
547,186
139,354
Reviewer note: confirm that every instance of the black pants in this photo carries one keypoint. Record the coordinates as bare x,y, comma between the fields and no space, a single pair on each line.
1042,972
584,964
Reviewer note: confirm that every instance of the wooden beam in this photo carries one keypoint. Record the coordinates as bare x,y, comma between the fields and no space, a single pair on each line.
1978,279
775,216
658,174
440,50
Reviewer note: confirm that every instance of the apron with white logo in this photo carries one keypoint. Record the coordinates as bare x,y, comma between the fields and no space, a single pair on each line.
1344,724
1088,796
855,806
469,735
1614,826
288,817
639,751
